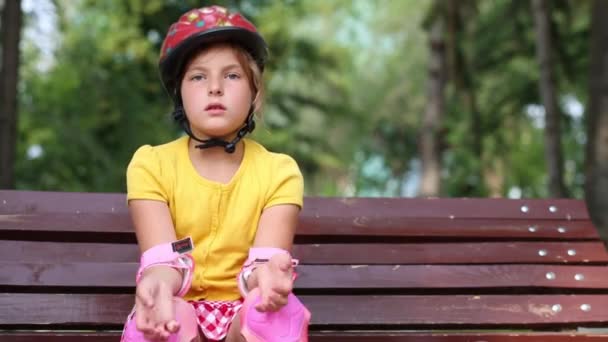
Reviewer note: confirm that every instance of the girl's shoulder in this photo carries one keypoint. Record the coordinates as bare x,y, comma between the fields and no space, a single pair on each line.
264,158
163,152
158,160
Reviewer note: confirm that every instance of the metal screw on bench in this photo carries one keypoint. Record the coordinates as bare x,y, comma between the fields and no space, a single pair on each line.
553,209
561,229
524,208
586,307
542,252
550,275
579,277
556,308
532,229
571,252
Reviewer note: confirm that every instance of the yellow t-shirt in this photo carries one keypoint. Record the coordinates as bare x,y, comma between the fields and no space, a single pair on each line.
222,219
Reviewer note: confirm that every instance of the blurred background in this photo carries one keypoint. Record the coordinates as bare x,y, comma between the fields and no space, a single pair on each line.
450,98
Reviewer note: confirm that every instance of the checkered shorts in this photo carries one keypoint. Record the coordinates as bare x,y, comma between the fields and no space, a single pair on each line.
215,317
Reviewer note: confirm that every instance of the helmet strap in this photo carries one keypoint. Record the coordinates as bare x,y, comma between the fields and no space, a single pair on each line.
179,115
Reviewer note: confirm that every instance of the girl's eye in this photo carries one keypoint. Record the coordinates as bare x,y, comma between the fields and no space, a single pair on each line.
233,76
197,78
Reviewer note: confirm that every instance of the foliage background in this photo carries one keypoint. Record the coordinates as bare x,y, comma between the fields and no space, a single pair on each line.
346,93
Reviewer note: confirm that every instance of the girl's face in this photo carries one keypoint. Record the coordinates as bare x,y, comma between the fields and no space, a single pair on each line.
216,93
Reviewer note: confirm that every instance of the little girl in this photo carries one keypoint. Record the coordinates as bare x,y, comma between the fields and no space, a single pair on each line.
214,213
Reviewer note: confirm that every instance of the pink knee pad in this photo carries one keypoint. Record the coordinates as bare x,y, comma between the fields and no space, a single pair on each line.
290,324
184,314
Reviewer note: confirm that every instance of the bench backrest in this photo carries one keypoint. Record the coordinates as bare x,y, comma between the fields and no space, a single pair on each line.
67,261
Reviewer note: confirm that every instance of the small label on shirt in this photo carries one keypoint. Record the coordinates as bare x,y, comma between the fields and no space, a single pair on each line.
182,246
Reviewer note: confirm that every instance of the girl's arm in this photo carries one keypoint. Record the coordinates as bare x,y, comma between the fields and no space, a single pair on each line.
153,226
158,284
276,228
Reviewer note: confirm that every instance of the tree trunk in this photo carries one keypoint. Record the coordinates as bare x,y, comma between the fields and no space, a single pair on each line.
460,25
461,70
494,175
11,32
548,91
430,153
596,163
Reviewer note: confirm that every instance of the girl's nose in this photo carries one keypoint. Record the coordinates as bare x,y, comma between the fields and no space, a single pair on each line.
215,88
215,91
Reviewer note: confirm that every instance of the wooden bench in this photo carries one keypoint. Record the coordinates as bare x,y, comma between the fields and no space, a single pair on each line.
372,269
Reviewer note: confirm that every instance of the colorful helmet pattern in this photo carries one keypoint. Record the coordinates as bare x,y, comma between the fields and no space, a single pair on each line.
202,26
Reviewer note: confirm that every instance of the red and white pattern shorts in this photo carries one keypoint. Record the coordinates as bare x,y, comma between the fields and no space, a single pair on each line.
215,317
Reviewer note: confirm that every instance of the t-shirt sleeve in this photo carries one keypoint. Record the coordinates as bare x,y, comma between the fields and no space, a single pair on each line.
144,176
287,183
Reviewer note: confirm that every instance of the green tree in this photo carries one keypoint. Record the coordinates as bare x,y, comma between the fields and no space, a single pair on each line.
346,87
102,98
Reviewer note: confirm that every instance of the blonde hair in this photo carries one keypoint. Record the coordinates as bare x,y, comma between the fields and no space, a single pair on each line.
254,75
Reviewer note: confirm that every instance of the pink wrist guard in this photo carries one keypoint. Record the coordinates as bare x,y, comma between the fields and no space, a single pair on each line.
258,256
172,254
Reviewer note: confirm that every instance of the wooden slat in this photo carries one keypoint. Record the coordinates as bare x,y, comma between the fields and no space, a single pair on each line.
446,208
28,202
452,276
376,253
453,253
444,227
457,310
346,336
331,311
87,222
359,209
335,277
68,222
452,336
68,274
62,252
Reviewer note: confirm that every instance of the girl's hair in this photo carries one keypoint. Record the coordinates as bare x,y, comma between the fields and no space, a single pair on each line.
250,67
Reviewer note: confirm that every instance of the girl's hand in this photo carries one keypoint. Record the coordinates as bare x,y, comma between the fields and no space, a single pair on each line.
154,309
275,281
